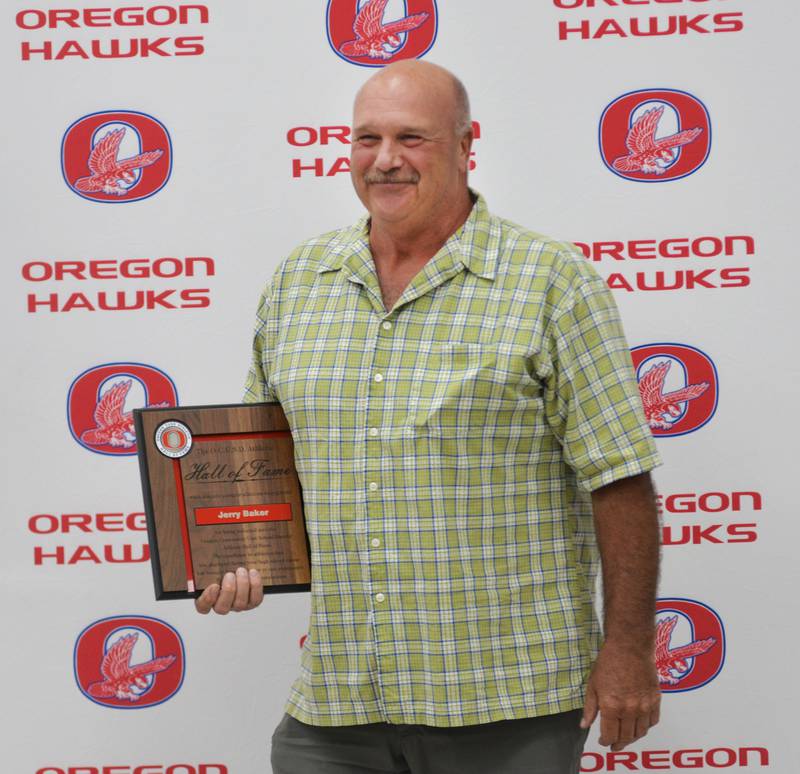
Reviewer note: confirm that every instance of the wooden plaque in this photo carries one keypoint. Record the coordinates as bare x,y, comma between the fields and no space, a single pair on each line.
221,492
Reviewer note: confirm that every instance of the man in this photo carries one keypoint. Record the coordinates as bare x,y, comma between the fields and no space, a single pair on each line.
465,418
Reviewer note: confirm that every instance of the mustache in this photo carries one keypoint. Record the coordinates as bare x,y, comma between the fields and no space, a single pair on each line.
378,178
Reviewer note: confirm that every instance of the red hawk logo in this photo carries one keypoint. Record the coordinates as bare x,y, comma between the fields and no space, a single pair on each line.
121,678
107,170
628,127
114,427
658,404
645,152
372,35
103,669
672,663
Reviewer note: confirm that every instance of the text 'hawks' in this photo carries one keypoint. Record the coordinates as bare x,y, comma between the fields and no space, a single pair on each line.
126,19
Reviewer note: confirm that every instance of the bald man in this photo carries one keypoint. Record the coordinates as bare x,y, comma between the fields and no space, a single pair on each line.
469,437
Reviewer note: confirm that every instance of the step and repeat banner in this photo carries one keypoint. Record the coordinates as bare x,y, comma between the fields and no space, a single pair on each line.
159,161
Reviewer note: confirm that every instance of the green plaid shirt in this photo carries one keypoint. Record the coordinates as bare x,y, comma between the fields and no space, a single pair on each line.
447,450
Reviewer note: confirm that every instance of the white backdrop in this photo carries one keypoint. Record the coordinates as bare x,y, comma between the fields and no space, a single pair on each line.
224,90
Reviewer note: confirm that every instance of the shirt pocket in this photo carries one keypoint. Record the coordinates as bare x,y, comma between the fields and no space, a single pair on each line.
463,390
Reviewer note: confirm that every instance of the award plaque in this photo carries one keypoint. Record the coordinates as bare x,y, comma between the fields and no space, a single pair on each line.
221,492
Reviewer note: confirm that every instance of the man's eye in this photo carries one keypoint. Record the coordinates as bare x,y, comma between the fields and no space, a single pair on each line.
411,138
367,138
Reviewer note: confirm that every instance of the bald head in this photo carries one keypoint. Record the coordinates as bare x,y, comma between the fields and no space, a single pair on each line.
410,150
445,89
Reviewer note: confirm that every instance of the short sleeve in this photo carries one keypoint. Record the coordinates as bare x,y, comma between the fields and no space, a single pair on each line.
592,398
257,388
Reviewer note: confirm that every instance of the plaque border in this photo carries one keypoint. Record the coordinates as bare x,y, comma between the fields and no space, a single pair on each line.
144,473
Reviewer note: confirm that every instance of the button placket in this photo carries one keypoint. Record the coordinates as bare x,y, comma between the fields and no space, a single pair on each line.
378,385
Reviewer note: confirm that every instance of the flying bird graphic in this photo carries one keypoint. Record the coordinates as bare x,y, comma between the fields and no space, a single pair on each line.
671,663
372,34
645,152
657,404
120,676
108,170
113,426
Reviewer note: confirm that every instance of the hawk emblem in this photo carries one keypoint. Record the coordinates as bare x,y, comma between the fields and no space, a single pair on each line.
373,36
113,426
658,405
672,664
120,676
107,170
645,152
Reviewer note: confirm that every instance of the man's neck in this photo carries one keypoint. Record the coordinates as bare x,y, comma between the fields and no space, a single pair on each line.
393,243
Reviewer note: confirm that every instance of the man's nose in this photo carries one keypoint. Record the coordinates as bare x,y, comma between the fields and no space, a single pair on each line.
388,156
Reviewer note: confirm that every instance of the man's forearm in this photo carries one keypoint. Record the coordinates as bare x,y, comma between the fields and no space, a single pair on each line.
626,523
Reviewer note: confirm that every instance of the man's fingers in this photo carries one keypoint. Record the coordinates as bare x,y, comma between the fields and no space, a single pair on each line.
206,600
609,727
256,589
627,731
242,596
655,713
642,725
240,591
630,725
226,594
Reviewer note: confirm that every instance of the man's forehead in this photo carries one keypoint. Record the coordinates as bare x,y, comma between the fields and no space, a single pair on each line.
407,114
395,122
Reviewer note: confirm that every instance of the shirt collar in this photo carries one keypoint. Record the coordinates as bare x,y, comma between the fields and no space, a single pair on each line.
475,245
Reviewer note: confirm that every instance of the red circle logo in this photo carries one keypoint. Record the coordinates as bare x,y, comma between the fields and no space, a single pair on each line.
129,662
678,385
371,35
116,156
173,439
101,399
655,135
690,644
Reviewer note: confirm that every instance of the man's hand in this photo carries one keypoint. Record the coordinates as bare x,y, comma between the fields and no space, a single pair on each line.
242,591
623,686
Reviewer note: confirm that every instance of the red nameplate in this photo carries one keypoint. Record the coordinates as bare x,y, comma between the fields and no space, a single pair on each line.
243,514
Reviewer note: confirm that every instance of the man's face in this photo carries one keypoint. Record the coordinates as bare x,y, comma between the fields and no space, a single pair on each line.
406,159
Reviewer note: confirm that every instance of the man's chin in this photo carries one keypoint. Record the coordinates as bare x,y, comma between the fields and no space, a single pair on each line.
392,200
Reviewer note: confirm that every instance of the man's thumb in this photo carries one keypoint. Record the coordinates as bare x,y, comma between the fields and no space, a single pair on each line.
589,708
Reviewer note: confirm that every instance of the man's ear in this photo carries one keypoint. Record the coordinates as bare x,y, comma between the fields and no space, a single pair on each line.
464,148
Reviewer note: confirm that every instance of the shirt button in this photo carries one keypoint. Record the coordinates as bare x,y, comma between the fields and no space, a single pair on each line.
386,325
378,377
373,485
375,542
379,597
373,431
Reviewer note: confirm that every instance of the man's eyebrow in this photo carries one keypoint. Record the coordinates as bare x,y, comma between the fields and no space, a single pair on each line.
366,128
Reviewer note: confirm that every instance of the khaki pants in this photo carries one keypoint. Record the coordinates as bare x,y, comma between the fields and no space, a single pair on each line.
551,744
